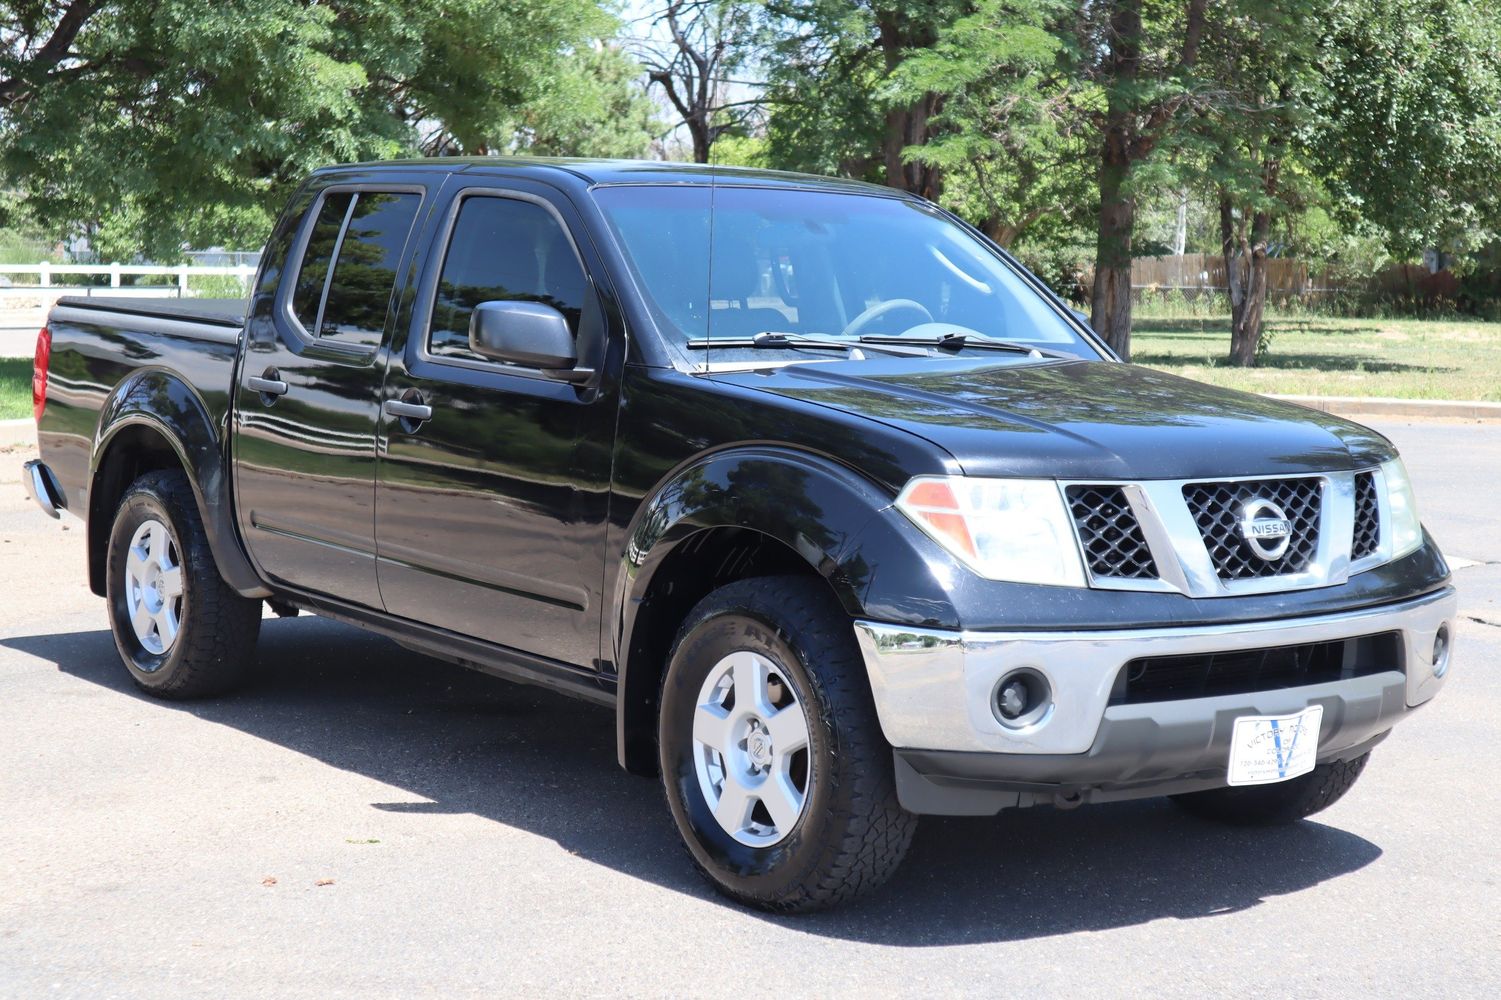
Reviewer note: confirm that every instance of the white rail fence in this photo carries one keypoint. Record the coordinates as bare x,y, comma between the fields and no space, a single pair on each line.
113,281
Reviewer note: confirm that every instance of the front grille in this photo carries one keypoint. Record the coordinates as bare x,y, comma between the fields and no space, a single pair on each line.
1205,675
1367,537
1217,509
1108,530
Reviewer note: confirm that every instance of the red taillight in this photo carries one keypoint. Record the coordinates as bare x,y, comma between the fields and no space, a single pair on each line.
39,372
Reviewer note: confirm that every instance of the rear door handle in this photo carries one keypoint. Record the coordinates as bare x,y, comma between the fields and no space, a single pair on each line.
266,386
414,412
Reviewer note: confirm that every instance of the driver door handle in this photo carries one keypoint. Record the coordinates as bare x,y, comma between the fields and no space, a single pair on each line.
266,386
415,412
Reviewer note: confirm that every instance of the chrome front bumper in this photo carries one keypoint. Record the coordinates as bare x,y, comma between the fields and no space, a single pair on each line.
934,688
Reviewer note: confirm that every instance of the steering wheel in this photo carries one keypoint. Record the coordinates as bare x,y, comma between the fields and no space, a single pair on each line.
880,309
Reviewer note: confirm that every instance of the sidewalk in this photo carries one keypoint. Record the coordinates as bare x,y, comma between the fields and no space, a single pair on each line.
1382,406
17,432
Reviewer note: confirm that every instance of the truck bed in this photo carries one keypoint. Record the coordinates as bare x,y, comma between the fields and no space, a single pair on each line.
169,356
215,312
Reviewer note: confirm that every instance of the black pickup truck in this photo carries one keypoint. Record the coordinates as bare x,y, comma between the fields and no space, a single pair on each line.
843,512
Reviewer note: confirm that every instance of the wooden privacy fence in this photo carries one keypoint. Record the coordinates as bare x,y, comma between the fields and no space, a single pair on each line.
1196,273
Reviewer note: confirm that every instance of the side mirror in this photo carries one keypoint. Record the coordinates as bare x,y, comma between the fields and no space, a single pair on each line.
528,334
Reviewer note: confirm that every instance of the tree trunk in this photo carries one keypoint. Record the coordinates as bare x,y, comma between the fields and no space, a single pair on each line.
698,131
1180,225
1110,303
1246,275
908,124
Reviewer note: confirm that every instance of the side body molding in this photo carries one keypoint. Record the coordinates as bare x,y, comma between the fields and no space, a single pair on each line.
159,401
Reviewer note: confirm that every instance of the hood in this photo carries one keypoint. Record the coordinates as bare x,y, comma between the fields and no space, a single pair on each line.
1080,419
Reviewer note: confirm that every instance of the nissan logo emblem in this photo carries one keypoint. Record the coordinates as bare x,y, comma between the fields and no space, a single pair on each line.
1265,528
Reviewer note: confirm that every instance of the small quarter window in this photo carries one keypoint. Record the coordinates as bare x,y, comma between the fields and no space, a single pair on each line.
313,274
503,248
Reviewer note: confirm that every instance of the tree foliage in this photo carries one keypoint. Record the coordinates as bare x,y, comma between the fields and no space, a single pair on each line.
1411,135
1005,137
193,120
838,106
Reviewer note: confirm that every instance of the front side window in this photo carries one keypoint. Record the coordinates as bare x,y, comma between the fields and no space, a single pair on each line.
359,237
502,248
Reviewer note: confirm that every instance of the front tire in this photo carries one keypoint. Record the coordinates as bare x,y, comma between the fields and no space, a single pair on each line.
772,757
180,629
1280,803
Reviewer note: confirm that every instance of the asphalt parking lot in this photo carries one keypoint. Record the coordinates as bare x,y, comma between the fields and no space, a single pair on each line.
365,822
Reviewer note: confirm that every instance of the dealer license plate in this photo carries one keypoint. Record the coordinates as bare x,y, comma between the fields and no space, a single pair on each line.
1267,748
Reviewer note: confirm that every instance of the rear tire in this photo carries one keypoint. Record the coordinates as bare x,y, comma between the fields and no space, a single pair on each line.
773,761
180,629
1280,803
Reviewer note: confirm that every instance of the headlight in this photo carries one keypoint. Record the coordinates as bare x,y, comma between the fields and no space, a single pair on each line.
1003,529
1406,529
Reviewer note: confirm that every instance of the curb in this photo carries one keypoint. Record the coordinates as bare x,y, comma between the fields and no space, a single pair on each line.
17,432
1382,406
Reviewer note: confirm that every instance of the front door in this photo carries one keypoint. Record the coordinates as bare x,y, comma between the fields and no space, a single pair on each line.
491,511
308,395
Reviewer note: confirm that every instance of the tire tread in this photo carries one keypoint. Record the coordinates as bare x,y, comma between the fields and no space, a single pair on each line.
1278,804
220,638
875,831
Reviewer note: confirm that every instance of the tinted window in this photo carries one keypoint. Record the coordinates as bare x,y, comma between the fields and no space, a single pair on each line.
311,276
365,273
823,264
502,248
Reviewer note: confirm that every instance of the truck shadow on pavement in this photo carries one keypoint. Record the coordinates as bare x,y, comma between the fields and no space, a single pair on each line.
524,757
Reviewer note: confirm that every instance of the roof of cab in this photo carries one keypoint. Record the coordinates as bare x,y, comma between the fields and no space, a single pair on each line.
604,172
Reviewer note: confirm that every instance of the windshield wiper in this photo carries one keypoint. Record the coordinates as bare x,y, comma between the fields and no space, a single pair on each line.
959,341
777,340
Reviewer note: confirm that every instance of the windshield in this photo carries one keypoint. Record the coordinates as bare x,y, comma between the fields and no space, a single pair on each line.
818,264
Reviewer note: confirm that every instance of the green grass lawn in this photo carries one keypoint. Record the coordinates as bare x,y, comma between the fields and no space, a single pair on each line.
15,388
1314,356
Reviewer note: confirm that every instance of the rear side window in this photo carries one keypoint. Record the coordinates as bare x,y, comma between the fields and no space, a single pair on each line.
503,248
348,272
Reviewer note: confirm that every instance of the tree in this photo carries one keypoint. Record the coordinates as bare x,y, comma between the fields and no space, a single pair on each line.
1006,140
1394,105
591,103
194,120
837,107
1143,69
1411,112
1261,63
707,40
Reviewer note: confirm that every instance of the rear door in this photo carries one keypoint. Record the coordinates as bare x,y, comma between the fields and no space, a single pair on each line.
307,400
492,511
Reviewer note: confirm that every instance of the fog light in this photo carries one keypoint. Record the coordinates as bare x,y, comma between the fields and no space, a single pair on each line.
1441,651
1022,698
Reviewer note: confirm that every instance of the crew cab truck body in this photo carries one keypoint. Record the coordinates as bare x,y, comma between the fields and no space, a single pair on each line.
844,513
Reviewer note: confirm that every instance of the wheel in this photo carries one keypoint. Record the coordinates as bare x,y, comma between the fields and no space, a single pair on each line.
772,757
1279,803
181,630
